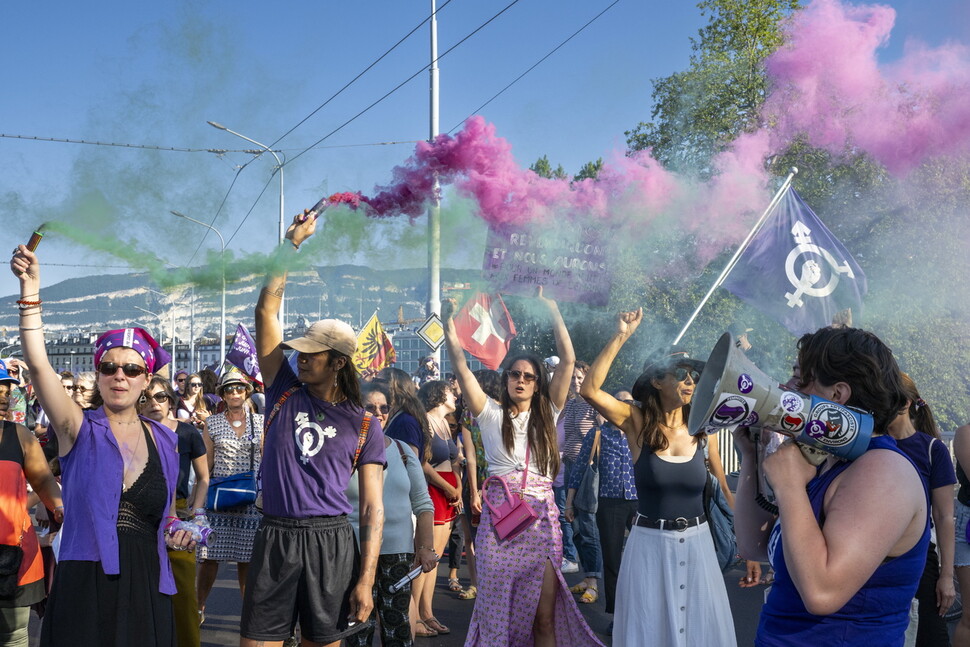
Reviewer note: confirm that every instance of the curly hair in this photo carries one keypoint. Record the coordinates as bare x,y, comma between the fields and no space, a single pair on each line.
490,381
861,360
434,393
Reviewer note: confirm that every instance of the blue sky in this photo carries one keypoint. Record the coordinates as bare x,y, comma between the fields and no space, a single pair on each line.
155,73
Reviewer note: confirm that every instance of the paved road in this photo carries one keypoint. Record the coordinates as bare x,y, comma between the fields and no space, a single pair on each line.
222,617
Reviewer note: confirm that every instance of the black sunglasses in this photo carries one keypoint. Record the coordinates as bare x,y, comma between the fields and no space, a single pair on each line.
526,377
130,370
195,385
680,374
373,408
180,379
79,388
233,388
160,397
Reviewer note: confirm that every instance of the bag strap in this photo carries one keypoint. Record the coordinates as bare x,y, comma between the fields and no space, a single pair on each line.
595,451
525,474
279,405
361,439
400,449
251,435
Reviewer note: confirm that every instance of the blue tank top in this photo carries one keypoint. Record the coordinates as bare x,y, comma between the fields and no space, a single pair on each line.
877,615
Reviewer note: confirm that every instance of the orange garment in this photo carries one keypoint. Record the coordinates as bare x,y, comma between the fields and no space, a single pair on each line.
14,520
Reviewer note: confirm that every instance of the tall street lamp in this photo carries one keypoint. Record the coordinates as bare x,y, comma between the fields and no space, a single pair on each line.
222,329
279,167
162,294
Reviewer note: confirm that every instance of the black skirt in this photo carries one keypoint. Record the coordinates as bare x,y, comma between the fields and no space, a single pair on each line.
88,608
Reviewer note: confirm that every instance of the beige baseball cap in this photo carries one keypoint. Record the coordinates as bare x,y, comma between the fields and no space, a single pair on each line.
325,335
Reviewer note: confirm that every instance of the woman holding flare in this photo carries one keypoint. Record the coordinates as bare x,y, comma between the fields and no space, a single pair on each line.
113,583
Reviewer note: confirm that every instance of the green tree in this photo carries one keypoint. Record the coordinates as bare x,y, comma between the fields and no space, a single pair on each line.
590,170
543,168
700,110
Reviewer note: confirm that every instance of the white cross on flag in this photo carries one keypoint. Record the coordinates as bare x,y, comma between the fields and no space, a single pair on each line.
485,329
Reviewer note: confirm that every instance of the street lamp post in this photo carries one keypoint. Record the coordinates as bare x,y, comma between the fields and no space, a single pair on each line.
222,328
162,294
279,167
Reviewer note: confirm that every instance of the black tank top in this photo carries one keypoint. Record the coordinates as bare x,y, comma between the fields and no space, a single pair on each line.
142,505
963,494
668,490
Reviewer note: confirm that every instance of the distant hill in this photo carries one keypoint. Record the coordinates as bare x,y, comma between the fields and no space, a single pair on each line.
347,292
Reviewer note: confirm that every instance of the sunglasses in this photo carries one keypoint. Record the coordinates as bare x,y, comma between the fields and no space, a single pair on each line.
526,377
373,408
195,385
78,388
130,370
680,374
232,388
159,397
180,379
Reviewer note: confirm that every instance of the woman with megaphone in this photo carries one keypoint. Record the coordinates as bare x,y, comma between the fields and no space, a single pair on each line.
670,589
849,542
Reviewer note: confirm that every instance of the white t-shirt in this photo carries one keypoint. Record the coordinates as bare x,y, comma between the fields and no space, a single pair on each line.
500,462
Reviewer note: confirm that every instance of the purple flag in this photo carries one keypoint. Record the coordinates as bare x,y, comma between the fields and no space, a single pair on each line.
796,271
242,355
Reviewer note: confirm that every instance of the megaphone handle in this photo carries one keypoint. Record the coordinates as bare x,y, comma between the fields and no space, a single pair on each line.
814,456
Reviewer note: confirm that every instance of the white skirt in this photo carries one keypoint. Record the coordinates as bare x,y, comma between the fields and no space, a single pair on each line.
670,592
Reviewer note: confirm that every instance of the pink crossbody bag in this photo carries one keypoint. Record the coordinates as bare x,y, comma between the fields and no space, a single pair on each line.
514,515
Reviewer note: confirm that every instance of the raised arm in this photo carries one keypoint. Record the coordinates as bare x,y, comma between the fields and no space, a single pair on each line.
269,333
559,385
619,413
63,412
474,397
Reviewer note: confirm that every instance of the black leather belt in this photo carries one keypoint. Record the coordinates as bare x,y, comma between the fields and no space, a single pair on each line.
680,523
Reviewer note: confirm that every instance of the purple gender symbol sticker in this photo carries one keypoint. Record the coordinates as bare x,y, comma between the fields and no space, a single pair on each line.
815,429
745,383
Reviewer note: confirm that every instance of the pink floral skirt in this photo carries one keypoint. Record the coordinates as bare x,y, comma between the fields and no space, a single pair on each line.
510,576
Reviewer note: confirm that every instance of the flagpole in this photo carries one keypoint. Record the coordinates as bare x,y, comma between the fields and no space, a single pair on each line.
737,255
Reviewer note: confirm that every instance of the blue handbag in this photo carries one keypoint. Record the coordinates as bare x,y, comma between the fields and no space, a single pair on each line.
235,490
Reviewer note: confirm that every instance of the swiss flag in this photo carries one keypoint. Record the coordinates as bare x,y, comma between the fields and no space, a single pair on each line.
485,329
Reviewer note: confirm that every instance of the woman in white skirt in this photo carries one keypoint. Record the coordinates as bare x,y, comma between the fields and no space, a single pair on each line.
670,589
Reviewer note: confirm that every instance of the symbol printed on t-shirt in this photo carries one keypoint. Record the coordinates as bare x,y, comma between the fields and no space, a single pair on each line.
310,436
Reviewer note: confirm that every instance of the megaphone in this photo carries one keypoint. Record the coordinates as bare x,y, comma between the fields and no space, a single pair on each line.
732,391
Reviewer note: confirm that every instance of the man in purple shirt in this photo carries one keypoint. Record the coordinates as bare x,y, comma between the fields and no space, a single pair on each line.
305,564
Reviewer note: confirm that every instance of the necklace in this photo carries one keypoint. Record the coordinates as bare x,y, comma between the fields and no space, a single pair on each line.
235,423
131,459
123,422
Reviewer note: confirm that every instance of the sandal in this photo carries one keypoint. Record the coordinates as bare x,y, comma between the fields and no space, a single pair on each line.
469,594
428,632
433,624
590,595
579,588
454,585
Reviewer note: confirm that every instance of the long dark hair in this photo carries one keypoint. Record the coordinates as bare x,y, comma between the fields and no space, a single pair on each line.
402,396
860,359
919,411
541,432
347,378
652,434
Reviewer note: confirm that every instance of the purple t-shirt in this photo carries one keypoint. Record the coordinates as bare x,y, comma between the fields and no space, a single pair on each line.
308,452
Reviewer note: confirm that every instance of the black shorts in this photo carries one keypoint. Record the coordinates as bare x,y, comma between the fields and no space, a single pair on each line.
301,569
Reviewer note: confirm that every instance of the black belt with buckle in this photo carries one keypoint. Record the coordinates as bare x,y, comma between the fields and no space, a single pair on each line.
680,523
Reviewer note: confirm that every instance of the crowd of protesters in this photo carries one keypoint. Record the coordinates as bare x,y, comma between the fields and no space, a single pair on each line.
364,485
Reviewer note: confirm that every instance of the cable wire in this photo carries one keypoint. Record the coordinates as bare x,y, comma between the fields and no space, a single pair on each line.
403,83
534,66
362,73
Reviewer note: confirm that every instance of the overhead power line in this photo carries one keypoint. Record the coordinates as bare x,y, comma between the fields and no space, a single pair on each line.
534,66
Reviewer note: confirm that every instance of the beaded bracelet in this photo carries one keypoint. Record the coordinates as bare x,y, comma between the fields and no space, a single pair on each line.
24,303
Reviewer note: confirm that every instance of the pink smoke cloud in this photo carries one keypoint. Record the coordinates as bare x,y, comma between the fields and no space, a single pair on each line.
830,88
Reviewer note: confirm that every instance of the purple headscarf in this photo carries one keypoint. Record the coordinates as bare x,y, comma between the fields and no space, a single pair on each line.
136,339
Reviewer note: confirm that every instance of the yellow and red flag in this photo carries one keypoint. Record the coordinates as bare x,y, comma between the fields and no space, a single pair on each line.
374,348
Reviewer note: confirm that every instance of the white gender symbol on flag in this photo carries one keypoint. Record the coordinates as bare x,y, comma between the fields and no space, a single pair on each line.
488,325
